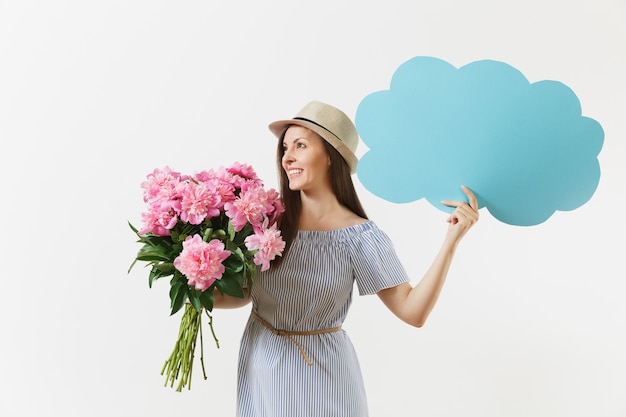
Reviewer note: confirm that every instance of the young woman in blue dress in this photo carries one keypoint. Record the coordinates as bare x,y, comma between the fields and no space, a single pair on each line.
295,359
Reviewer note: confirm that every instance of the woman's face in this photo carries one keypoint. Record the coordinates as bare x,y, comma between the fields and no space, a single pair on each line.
305,160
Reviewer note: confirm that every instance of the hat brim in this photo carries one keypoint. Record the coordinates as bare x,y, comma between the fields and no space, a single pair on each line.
279,127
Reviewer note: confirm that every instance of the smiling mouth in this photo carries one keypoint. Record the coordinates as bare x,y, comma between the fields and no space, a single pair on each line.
292,172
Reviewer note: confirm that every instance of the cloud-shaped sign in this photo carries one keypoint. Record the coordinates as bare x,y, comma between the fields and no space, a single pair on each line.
524,149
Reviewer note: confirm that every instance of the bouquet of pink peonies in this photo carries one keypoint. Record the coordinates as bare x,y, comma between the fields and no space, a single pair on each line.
208,232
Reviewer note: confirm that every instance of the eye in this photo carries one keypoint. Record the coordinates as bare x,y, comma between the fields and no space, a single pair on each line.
300,145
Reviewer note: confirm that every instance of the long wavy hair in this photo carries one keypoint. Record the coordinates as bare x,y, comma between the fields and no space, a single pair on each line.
342,186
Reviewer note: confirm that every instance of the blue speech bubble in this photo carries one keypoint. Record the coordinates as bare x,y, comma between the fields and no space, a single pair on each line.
524,149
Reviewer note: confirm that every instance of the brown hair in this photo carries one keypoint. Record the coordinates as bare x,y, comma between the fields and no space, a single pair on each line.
341,182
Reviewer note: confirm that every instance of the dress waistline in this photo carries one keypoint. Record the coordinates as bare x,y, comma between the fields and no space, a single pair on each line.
290,333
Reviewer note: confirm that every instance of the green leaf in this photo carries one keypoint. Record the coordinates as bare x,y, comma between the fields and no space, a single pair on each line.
131,266
177,248
178,292
232,275
219,234
235,261
239,253
206,299
231,230
230,245
160,270
152,257
241,235
154,240
229,285
251,270
149,253
194,299
165,268
153,276
249,274
133,228
175,286
234,264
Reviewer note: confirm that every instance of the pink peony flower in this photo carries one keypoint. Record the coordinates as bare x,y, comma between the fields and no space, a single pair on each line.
159,219
160,185
242,174
243,170
204,176
251,207
198,201
269,243
273,198
201,262
222,181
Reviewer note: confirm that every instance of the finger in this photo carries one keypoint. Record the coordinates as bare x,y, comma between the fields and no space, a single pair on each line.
473,202
465,210
452,203
452,218
468,216
459,207
459,217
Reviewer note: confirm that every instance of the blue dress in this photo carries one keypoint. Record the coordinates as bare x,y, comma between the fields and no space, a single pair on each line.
312,290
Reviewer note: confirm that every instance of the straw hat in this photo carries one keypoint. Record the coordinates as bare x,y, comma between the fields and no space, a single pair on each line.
330,123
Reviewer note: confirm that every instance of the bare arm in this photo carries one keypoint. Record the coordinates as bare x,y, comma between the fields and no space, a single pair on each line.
227,301
414,304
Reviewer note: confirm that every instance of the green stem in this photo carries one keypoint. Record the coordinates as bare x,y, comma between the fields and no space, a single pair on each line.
202,352
179,365
217,342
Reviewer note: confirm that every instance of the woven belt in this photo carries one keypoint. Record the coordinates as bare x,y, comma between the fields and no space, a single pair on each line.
290,334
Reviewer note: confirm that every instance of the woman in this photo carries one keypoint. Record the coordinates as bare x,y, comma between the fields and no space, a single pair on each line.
294,359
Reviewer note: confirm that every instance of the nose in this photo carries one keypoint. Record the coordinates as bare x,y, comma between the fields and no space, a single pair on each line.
287,156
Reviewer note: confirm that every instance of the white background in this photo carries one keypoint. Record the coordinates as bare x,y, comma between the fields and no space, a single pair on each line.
94,95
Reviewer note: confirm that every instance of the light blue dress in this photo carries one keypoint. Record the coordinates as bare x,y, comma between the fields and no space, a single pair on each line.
312,290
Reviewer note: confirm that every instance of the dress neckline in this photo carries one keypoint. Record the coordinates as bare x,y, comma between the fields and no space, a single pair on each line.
342,232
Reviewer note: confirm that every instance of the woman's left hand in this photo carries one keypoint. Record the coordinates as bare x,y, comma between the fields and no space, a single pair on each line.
464,215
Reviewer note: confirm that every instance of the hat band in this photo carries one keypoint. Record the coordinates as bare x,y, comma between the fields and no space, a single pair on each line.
317,124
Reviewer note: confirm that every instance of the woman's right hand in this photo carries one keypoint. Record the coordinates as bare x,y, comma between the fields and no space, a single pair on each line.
464,216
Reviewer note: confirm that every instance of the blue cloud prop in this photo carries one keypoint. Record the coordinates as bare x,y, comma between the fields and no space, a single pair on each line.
524,149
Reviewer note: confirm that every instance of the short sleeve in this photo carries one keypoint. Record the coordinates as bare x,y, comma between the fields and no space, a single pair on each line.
375,263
